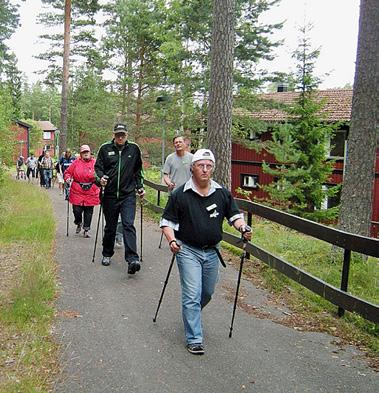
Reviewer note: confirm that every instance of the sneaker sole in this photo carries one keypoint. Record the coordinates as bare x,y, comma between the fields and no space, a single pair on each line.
195,352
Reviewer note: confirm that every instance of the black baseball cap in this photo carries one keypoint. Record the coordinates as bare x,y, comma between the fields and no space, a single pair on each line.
119,127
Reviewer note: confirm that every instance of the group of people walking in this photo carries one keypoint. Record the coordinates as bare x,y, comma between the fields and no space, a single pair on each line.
191,222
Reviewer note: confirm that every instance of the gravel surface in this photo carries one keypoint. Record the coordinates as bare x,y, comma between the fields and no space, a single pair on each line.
109,342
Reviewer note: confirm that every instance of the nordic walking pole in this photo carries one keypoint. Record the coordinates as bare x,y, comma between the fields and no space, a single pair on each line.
102,226
140,258
98,220
68,216
243,256
67,192
160,241
97,230
164,287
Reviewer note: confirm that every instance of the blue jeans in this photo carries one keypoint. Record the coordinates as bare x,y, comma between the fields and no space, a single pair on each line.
112,208
47,175
198,270
120,231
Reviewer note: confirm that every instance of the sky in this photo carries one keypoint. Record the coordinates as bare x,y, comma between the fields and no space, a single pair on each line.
335,32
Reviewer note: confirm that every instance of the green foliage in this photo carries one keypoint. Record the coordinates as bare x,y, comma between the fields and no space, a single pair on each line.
92,114
9,19
300,144
6,141
83,37
41,102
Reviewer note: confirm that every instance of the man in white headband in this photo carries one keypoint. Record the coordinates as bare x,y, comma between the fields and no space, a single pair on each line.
192,223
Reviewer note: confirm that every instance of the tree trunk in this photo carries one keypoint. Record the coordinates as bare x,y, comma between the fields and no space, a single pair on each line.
221,89
139,91
358,185
66,74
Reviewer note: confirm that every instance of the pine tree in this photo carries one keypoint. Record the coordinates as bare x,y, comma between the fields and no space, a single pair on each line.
299,145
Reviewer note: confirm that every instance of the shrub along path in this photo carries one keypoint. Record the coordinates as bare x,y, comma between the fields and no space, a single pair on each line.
110,343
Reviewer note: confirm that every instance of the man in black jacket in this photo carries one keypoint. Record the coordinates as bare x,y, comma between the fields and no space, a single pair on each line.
119,170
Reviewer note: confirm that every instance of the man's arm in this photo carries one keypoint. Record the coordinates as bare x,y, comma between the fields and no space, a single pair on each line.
170,185
139,172
99,167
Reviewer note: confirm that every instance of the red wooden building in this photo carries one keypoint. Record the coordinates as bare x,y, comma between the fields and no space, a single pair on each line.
47,141
247,171
21,139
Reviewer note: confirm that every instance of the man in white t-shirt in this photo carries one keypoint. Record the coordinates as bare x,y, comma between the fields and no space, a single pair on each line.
176,170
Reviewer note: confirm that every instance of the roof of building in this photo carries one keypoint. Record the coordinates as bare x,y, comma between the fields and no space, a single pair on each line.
46,125
337,104
22,123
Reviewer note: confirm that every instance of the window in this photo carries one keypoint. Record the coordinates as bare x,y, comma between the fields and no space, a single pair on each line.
47,147
330,201
249,181
253,135
337,144
47,135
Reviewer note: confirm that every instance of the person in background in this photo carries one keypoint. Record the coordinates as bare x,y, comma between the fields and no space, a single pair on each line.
192,223
20,167
60,178
119,170
176,169
47,166
31,166
66,160
84,193
40,169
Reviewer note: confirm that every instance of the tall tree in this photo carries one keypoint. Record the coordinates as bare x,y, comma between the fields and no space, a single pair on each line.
83,38
221,89
65,78
359,177
132,47
9,19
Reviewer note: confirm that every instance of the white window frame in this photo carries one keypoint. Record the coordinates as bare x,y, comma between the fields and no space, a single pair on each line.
47,135
252,180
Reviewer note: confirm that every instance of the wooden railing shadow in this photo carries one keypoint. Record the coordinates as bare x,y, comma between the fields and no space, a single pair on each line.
347,241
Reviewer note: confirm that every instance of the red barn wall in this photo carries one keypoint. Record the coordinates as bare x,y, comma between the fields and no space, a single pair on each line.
249,162
21,141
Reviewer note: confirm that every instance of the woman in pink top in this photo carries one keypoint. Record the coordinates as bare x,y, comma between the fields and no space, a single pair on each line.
84,193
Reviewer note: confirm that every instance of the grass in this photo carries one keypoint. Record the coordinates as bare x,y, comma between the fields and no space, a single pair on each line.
27,232
317,258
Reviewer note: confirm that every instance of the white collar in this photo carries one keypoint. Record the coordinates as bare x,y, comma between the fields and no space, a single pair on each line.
191,186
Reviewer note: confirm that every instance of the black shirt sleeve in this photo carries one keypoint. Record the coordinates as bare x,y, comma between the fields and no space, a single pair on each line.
170,212
231,206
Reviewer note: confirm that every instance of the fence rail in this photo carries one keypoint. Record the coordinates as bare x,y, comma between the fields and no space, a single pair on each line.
349,242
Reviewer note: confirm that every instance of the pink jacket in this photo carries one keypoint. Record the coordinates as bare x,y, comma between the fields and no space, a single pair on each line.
80,172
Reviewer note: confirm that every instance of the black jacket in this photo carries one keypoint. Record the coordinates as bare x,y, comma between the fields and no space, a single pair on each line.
123,167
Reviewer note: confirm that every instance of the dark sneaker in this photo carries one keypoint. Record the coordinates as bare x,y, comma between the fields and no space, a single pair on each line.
78,228
195,349
134,267
106,261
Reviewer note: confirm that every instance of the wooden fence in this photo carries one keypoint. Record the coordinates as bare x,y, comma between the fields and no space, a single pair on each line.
347,241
